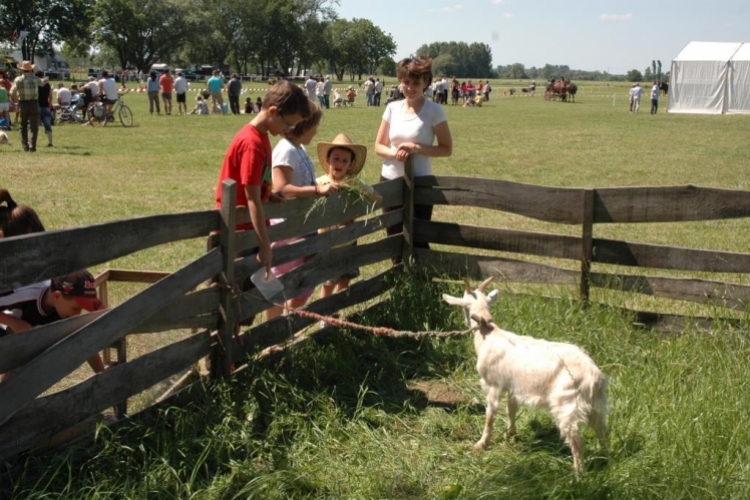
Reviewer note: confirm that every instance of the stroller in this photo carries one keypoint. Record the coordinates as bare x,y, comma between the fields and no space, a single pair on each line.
71,113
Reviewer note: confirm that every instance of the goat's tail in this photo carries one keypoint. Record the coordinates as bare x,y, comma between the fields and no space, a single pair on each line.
594,388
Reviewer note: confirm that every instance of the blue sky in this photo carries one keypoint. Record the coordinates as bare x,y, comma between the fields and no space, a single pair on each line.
584,34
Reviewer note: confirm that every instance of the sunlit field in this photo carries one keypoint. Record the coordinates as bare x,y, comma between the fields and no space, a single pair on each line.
352,416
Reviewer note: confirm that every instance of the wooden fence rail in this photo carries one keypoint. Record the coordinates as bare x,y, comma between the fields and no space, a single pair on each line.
45,355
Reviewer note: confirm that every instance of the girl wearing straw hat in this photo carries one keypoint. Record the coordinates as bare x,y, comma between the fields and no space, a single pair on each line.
342,161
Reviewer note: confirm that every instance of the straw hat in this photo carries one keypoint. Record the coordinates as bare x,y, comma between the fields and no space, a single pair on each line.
26,66
343,141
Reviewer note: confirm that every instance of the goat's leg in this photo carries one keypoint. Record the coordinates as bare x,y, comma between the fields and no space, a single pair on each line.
599,424
493,396
512,409
576,447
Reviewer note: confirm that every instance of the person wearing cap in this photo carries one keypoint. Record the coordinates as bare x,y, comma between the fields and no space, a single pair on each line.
342,161
25,91
50,301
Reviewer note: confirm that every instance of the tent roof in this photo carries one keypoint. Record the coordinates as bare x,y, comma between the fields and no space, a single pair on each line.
743,54
708,51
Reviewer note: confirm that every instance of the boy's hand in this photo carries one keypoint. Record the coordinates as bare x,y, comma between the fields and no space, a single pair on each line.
277,198
265,257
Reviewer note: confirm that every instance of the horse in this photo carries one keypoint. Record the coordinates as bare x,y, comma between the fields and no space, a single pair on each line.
664,86
572,89
559,88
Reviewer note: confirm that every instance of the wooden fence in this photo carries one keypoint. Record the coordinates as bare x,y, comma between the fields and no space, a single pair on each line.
45,355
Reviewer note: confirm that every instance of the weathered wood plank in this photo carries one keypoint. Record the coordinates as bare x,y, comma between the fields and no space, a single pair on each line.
36,257
284,327
627,253
477,267
552,204
669,204
323,266
221,356
320,242
197,310
45,370
692,290
135,276
504,240
49,415
587,247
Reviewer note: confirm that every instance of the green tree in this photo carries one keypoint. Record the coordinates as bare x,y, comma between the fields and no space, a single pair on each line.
48,23
143,32
634,76
444,64
517,71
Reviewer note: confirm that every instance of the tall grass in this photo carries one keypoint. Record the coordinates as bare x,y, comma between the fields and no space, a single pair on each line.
342,416
339,417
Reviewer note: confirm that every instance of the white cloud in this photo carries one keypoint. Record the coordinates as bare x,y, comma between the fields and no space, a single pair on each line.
508,15
616,17
452,9
498,1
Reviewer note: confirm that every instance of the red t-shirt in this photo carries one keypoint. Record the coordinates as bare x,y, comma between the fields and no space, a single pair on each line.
166,82
248,163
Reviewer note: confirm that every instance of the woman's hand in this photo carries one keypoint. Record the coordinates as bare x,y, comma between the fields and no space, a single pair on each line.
404,150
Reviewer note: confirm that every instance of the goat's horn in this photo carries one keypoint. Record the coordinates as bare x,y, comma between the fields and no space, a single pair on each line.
484,284
468,285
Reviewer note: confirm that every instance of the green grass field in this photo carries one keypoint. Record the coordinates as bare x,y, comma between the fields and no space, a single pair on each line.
341,417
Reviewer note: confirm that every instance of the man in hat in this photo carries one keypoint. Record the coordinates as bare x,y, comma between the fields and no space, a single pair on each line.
50,301
25,91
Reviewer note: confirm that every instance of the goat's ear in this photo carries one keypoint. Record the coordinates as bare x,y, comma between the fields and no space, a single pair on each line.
492,297
455,301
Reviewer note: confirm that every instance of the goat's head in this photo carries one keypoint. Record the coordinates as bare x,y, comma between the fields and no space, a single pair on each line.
475,303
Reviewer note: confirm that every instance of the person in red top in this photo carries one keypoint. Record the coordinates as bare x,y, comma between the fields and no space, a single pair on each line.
167,85
248,159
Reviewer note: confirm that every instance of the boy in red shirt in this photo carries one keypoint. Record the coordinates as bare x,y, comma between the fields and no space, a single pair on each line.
167,85
248,159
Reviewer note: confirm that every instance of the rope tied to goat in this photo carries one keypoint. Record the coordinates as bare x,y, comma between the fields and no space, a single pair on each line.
380,331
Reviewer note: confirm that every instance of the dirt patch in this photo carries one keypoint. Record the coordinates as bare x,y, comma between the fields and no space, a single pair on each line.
438,392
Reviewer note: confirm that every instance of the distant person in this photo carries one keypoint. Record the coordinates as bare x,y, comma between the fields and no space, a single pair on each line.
310,84
25,92
45,106
234,89
152,87
655,91
631,95
63,95
637,94
378,92
215,85
248,158
248,106
327,86
167,87
180,90
108,91
200,108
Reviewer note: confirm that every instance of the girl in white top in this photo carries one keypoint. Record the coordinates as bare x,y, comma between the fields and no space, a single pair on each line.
294,177
410,127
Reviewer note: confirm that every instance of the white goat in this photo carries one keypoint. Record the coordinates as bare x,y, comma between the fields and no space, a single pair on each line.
535,372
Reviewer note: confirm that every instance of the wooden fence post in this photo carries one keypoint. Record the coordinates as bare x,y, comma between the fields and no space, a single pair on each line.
407,247
587,242
221,359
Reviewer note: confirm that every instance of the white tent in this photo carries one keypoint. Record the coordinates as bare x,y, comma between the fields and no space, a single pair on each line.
710,78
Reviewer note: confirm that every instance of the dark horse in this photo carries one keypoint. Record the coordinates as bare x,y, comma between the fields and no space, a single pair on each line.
561,88
664,86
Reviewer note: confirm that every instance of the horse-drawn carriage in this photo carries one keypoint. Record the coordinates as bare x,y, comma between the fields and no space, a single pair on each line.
563,89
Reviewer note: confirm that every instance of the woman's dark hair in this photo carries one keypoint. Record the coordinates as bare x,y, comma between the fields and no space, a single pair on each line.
288,98
414,68
15,219
152,75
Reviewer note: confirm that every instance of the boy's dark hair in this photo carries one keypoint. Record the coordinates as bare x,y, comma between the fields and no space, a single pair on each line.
414,68
15,219
288,98
316,115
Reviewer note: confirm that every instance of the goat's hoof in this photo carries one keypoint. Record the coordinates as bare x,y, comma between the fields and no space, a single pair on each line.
479,446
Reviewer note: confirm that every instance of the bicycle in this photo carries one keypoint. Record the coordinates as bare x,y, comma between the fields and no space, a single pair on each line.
120,109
